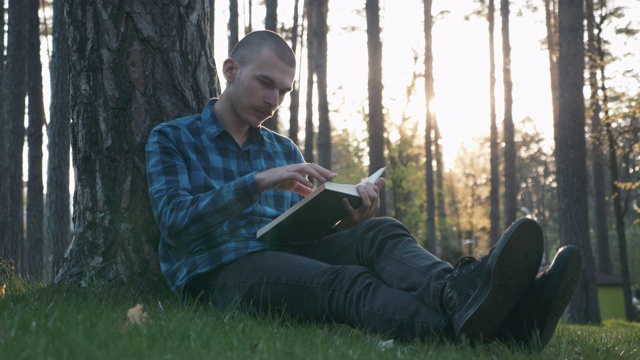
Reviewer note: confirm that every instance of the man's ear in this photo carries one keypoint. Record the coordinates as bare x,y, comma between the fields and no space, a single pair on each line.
230,69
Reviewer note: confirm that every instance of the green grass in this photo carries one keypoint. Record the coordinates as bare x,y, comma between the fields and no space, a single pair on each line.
70,322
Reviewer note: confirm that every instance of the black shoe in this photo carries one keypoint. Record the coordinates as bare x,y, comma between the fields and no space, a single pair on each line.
480,294
533,320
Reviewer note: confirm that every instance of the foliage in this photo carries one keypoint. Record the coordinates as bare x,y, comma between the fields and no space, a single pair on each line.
69,322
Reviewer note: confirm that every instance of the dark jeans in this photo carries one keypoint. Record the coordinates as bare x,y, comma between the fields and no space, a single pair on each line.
374,276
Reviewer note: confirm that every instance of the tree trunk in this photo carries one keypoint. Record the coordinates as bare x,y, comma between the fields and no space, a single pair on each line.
376,117
233,25
597,149
428,144
294,106
510,173
57,227
571,158
551,21
443,225
34,245
494,194
11,187
319,13
271,23
309,129
212,24
132,66
614,182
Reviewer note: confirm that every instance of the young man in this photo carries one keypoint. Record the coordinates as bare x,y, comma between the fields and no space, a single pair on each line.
217,177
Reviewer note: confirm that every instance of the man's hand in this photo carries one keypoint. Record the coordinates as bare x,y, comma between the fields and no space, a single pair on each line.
293,177
370,194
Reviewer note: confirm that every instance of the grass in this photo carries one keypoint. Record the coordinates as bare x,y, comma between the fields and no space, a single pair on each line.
71,322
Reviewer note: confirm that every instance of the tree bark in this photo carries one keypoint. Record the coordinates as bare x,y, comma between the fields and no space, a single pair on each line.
57,226
376,118
428,143
132,66
233,25
271,23
294,106
319,12
571,158
510,173
495,229
11,186
309,129
34,245
597,148
441,209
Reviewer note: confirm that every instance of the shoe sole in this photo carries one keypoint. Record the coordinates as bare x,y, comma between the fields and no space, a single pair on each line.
506,277
562,288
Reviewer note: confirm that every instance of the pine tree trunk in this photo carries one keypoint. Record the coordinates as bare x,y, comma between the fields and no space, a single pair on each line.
443,224
494,193
319,12
428,144
34,245
294,106
376,118
233,25
309,129
12,120
271,23
133,65
57,227
510,173
597,149
571,158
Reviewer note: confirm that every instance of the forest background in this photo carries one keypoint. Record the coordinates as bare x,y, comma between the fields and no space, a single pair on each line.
453,188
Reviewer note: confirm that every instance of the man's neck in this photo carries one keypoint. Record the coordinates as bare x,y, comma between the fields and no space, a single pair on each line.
236,128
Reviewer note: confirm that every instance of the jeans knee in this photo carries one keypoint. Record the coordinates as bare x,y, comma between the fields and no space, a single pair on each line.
385,227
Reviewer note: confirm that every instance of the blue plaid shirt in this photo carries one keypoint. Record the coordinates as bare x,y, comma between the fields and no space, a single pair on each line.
204,194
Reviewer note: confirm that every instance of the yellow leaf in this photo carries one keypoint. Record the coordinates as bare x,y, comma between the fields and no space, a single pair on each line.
136,316
3,290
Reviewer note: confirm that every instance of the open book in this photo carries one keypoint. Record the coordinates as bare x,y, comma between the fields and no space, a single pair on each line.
314,215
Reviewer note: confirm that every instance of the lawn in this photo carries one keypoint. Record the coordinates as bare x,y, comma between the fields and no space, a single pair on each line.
72,322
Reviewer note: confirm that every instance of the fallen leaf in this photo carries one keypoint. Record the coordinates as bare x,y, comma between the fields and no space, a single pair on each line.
3,290
136,316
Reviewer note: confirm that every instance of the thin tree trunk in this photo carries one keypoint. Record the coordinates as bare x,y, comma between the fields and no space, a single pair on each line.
615,189
551,21
57,234
233,25
310,133
212,24
271,23
597,148
510,173
571,158
443,224
428,144
494,195
320,39
294,106
11,186
33,252
376,117
130,75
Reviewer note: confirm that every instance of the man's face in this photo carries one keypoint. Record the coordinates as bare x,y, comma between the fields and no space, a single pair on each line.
260,87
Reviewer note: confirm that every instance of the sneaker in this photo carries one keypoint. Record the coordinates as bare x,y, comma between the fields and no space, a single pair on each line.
534,319
479,294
